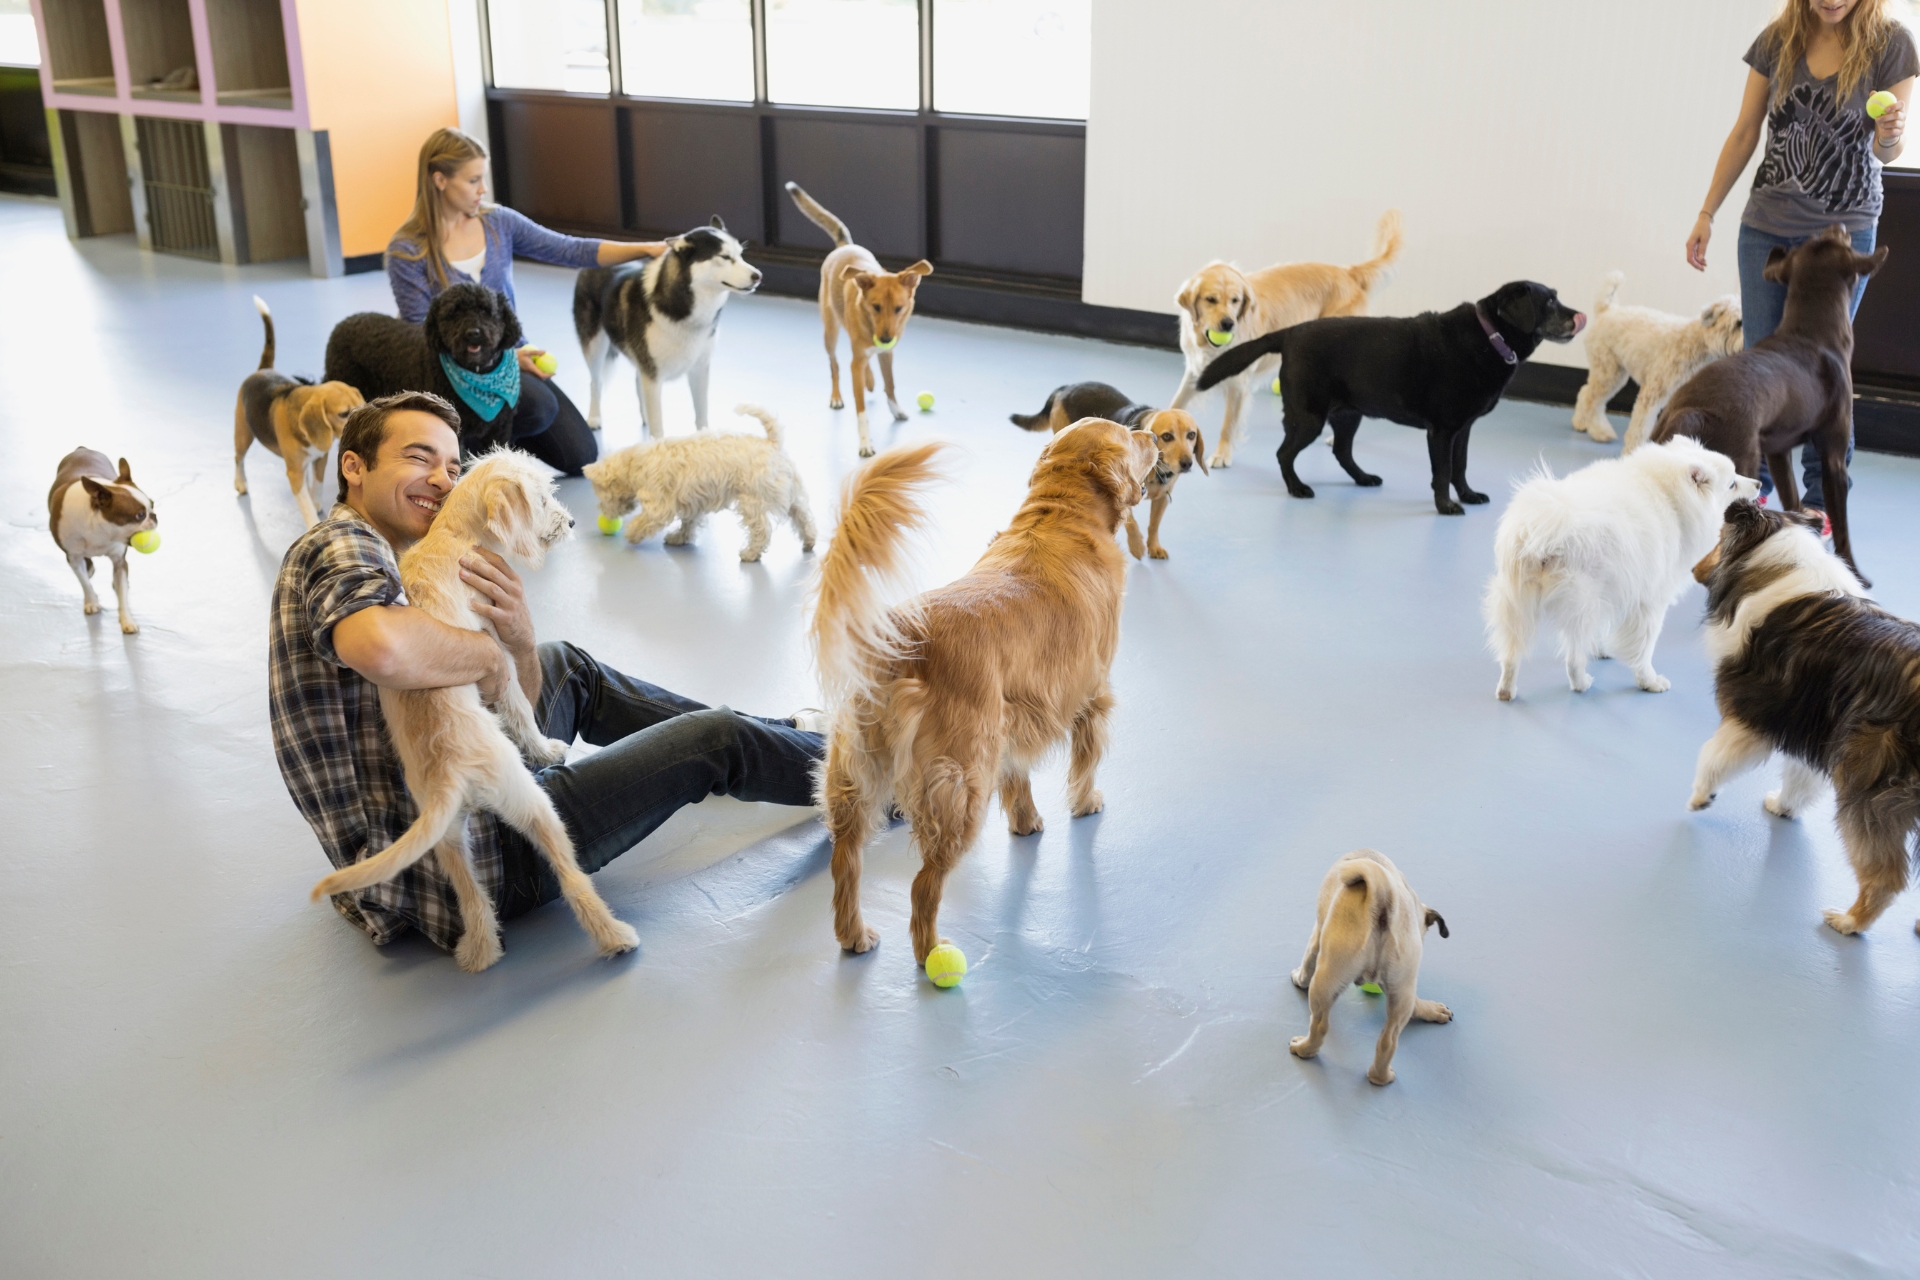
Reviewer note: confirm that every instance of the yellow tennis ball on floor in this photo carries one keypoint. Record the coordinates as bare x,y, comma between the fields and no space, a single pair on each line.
946,965
925,402
608,525
545,364
146,542
1877,104
1218,338
1371,988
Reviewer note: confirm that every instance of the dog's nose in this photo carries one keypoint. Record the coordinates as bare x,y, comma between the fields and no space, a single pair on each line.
1186,464
756,277
569,522
1225,324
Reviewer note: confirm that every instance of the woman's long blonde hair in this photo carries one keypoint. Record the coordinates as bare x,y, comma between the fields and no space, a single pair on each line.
1863,37
444,151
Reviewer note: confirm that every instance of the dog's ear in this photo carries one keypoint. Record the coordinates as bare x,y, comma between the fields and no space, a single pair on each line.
1868,264
101,495
1707,564
313,419
1806,518
1521,309
912,275
126,473
1199,445
1246,300
1700,476
1435,918
510,515
863,280
716,223
1777,268
1185,297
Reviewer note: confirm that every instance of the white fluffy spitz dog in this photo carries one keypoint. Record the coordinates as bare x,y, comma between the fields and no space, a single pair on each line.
1604,553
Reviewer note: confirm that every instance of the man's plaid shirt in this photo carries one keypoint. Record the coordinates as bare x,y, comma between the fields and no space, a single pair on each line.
331,740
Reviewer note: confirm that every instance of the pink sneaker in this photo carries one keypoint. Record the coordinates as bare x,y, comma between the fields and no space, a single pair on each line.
1761,501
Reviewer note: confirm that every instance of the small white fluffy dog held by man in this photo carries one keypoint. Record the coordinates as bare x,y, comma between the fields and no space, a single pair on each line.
1657,350
1603,554
1369,926
688,478
460,755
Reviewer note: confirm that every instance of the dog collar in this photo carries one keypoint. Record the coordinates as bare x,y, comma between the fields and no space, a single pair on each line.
1493,336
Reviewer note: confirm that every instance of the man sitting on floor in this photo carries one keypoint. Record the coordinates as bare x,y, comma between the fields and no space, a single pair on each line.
341,627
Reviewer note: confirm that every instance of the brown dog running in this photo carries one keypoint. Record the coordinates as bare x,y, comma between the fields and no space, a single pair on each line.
936,702
296,420
1175,435
1792,387
872,305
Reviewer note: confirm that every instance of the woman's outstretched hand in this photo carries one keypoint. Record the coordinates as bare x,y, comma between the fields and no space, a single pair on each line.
1697,242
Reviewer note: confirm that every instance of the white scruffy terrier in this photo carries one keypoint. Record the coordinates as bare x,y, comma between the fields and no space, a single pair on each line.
1657,350
687,478
1604,553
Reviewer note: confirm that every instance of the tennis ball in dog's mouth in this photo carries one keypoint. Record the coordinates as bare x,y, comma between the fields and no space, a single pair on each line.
546,364
1877,104
925,401
1218,338
1371,988
146,542
946,965
608,525
888,345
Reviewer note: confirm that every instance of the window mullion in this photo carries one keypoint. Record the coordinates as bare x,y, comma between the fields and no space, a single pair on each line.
758,12
926,55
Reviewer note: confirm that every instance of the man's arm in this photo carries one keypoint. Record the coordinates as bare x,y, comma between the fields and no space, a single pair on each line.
401,648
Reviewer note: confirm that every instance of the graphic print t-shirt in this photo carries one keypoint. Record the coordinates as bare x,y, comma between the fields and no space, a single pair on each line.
1819,167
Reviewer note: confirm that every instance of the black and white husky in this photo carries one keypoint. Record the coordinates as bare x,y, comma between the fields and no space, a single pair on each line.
1806,666
663,315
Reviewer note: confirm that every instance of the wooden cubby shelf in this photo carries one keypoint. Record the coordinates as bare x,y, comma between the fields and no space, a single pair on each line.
79,55
249,54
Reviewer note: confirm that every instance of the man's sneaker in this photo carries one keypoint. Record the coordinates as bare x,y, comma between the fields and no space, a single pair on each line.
809,720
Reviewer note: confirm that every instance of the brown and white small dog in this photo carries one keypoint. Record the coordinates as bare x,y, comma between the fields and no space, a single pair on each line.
1175,435
1222,299
1369,926
93,511
872,305
460,755
296,420
936,703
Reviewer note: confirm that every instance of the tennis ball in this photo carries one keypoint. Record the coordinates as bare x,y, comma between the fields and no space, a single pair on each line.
946,965
1276,384
1877,105
146,542
1371,988
545,363
926,402
1218,338
608,525
888,345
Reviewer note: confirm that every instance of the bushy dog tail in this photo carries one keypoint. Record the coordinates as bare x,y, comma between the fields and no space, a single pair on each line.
437,812
817,214
266,318
1239,359
1386,250
853,627
767,420
1609,290
1035,421
1695,424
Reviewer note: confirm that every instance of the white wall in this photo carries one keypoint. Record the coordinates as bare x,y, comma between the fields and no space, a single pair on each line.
1553,140
469,80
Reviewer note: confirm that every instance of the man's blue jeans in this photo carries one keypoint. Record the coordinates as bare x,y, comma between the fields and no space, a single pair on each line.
1762,302
659,752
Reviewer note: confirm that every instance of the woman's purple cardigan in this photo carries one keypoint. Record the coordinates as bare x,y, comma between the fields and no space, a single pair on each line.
509,235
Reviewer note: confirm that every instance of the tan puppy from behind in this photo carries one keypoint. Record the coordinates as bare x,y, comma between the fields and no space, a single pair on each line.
1370,926
872,305
1220,298
297,422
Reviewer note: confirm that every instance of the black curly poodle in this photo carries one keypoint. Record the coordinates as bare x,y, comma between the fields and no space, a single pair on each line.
470,324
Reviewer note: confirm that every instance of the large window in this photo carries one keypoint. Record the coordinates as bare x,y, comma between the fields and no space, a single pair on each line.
1012,57
18,45
687,49
844,53
549,44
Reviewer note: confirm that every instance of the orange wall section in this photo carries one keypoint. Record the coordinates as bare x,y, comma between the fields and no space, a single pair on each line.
379,80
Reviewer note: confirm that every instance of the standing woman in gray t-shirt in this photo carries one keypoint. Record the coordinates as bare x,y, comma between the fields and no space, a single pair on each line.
1811,72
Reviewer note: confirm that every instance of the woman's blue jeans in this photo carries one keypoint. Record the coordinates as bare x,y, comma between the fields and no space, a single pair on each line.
1762,302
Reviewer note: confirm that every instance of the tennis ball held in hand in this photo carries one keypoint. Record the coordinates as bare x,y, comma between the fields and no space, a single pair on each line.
946,965
1218,338
1877,104
146,542
545,363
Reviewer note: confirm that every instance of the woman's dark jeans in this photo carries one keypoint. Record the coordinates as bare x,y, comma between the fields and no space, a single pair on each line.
547,425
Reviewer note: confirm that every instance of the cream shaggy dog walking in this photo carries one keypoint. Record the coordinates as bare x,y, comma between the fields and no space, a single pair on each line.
1657,350
459,755
1603,553
688,478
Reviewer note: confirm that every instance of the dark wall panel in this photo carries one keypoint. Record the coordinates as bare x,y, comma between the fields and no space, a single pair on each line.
1011,201
1883,331
562,162
866,173
689,165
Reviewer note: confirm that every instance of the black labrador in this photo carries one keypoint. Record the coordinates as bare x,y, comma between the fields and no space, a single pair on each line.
1441,371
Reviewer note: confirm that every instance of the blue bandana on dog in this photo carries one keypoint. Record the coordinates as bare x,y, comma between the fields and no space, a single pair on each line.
487,394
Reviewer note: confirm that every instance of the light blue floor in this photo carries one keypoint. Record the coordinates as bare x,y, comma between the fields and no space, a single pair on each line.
1661,1064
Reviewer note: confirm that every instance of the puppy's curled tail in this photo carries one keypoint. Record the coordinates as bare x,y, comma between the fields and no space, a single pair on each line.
853,628
1609,290
1364,892
437,812
817,214
1239,359
266,318
767,420
1386,250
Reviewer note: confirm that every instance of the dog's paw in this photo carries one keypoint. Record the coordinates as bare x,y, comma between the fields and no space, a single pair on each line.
1093,804
1298,1047
479,949
1136,544
836,403
1601,435
90,609
1222,461
1298,490
1366,481
1473,497
615,937
678,538
548,751
1157,553
899,414
867,450
1697,802
1580,684
1504,691
1433,1011
1840,921
1773,806
864,939
129,627
748,555
1025,824
1383,1076
1654,682
1300,978
240,487
1448,507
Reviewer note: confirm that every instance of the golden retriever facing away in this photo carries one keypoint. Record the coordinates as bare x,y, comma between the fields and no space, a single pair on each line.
936,702
872,305
457,754
1222,299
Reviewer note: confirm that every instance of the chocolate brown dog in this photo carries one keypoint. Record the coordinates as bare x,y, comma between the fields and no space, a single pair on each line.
1792,387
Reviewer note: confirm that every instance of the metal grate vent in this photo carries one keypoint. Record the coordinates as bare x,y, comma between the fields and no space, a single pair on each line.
173,162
